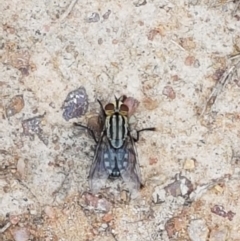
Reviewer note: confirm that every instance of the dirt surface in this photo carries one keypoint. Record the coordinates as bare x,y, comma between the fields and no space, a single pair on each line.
179,59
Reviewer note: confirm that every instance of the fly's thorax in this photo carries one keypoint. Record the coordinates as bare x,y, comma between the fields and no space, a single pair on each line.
116,122
116,129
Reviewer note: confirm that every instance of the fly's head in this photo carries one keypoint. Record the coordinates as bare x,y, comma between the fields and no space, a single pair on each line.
116,108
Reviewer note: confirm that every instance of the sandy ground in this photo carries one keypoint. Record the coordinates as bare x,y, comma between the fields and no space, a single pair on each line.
170,56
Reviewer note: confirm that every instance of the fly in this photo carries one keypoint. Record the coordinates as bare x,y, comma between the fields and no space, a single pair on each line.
115,155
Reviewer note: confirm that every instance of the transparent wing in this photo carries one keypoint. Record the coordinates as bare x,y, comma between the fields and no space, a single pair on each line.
98,173
131,171
105,161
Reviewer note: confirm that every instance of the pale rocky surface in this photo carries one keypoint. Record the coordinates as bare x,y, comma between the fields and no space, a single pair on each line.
168,55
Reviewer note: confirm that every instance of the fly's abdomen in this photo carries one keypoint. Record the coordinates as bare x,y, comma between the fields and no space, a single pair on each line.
115,161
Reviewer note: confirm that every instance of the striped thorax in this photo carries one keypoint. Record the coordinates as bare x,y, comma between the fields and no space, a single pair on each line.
116,123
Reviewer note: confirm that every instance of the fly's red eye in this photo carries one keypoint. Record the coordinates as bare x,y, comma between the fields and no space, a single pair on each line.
123,109
109,106
109,109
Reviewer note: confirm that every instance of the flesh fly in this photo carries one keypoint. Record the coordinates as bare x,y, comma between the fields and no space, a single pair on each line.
115,155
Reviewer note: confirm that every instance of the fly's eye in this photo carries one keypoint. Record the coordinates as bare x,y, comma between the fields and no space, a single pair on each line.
109,109
109,106
123,109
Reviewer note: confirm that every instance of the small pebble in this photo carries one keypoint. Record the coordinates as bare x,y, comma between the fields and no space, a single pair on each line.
15,105
104,225
75,104
107,14
93,18
198,230
189,164
21,234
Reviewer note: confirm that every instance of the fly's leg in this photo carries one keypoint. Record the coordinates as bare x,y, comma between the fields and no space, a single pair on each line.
102,109
145,129
90,131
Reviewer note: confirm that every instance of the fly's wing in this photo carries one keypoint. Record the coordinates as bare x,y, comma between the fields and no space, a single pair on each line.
98,173
130,171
